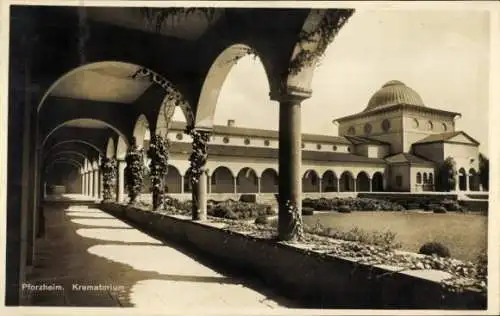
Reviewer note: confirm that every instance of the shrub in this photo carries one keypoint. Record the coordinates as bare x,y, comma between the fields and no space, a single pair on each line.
439,210
344,209
307,211
249,198
262,220
434,248
239,210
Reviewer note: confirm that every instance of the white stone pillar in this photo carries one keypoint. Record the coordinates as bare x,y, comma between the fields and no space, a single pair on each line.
96,184
120,181
258,184
371,185
84,183
91,183
235,182
320,184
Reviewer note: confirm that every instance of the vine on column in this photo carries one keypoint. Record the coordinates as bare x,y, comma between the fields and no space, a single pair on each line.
134,172
197,161
108,168
158,153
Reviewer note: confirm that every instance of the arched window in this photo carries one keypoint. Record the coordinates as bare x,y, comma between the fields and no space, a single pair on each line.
368,128
334,148
431,178
351,130
225,140
318,146
247,141
425,177
266,142
419,178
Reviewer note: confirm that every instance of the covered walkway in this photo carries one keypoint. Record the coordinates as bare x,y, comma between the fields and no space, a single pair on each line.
85,246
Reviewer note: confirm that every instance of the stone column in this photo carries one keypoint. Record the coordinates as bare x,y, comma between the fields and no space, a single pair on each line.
198,160
258,184
290,161
83,182
182,183
371,184
235,185
96,184
354,184
120,180
338,184
91,183
467,184
209,183
101,182
320,185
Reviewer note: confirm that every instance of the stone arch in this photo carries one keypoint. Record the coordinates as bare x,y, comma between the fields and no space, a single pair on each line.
66,160
269,181
110,148
141,132
142,73
247,181
303,78
222,180
96,121
363,182
214,80
462,179
67,153
80,141
329,181
378,182
173,180
310,181
347,182
419,178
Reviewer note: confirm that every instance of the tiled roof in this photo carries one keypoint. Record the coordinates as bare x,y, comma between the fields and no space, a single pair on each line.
272,153
356,140
254,132
444,137
407,158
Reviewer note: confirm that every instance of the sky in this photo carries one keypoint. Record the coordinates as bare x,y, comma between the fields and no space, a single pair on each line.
443,55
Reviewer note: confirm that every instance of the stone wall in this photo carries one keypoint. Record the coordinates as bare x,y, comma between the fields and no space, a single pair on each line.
304,275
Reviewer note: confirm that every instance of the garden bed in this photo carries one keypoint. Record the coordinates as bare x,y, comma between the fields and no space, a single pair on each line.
321,271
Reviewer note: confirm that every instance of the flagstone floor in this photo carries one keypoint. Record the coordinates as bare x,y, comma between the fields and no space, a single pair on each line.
89,258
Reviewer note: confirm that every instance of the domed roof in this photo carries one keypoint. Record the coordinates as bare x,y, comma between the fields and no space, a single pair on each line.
392,93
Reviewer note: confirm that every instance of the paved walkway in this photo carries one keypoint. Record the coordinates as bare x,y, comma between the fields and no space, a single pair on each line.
124,267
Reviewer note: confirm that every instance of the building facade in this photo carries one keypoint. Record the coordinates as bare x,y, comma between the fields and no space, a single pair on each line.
395,144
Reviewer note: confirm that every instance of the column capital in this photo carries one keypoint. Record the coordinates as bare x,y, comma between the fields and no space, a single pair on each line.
290,93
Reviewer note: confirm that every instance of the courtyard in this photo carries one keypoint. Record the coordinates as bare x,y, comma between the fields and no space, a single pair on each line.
464,234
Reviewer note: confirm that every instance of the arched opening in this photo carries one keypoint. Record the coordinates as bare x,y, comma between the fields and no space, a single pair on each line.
329,182
462,179
141,132
310,181
419,178
347,182
173,180
62,176
473,180
234,59
110,148
83,123
121,148
269,181
378,182
247,181
363,182
222,180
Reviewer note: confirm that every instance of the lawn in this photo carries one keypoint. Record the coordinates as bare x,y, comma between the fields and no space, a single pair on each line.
464,234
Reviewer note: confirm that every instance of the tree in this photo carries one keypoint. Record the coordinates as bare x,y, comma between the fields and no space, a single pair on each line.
134,172
484,171
446,177
158,153
108,169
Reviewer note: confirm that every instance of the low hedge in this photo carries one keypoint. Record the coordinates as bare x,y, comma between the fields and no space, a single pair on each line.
239,210
358,204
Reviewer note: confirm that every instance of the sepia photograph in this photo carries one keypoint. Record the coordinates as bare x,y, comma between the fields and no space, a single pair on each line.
276,157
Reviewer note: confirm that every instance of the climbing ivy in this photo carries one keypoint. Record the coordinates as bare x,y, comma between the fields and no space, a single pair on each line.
108,169
134,172
323,34
294,229
158,153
